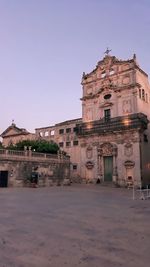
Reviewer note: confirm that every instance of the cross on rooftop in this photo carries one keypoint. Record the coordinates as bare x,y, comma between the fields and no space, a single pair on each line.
107,51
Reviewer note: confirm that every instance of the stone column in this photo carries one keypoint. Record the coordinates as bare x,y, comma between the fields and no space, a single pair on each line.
100,172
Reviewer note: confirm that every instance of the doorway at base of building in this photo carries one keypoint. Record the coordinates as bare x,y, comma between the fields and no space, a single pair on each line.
3,178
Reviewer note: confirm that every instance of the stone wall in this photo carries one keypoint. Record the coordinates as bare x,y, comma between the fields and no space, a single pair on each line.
53,170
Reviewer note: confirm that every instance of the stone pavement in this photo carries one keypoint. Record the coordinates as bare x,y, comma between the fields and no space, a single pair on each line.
78,225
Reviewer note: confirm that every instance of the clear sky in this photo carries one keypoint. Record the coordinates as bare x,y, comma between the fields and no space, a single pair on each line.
46,45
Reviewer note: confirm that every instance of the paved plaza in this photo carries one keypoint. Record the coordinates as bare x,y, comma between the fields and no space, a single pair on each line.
78,225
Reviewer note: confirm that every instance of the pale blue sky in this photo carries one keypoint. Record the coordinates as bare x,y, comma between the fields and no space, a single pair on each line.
45,45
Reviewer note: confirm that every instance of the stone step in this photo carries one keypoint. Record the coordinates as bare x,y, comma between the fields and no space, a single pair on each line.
108,184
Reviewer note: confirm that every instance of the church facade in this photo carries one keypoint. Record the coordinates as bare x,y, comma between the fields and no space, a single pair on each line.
113,136
111,142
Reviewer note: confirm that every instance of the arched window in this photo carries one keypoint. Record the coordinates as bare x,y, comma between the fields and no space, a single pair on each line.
103,74
140,94
111,72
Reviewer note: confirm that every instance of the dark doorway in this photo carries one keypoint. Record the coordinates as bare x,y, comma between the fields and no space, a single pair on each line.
3,178
108,168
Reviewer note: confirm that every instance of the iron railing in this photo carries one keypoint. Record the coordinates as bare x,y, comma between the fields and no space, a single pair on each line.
133,121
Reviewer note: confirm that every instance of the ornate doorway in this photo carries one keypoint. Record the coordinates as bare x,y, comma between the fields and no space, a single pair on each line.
108,168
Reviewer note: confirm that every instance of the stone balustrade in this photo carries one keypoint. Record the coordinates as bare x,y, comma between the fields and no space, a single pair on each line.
31,156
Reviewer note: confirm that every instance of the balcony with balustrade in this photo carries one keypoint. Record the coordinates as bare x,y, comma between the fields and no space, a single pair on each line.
136,121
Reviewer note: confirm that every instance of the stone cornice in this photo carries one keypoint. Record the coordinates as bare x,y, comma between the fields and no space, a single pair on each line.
113,88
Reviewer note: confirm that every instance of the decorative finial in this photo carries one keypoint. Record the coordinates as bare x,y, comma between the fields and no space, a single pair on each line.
107,51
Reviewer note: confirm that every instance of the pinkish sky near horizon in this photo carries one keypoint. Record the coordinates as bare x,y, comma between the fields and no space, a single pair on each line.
46,45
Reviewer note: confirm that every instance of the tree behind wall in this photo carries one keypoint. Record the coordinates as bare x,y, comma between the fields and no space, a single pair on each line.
41,146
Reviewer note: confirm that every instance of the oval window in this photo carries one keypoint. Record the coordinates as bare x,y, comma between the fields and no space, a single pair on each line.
108,96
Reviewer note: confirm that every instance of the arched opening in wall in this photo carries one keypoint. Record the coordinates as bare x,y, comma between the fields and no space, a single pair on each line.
41,134
3,178
140,93
111,72
103,74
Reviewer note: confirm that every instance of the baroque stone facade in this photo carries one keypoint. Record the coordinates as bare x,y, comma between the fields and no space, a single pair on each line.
111,142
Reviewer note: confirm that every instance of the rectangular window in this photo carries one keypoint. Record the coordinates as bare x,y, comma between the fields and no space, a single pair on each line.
75,143
46,133
68,130
107,114
143,94
52,132
61,131
68,144
74,167
61,144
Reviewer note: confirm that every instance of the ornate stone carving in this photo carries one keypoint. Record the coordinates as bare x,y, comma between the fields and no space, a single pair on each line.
89,90
89,164
126,80
105,149
95,143
129,164
83,144
89,152
127,106
128,149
